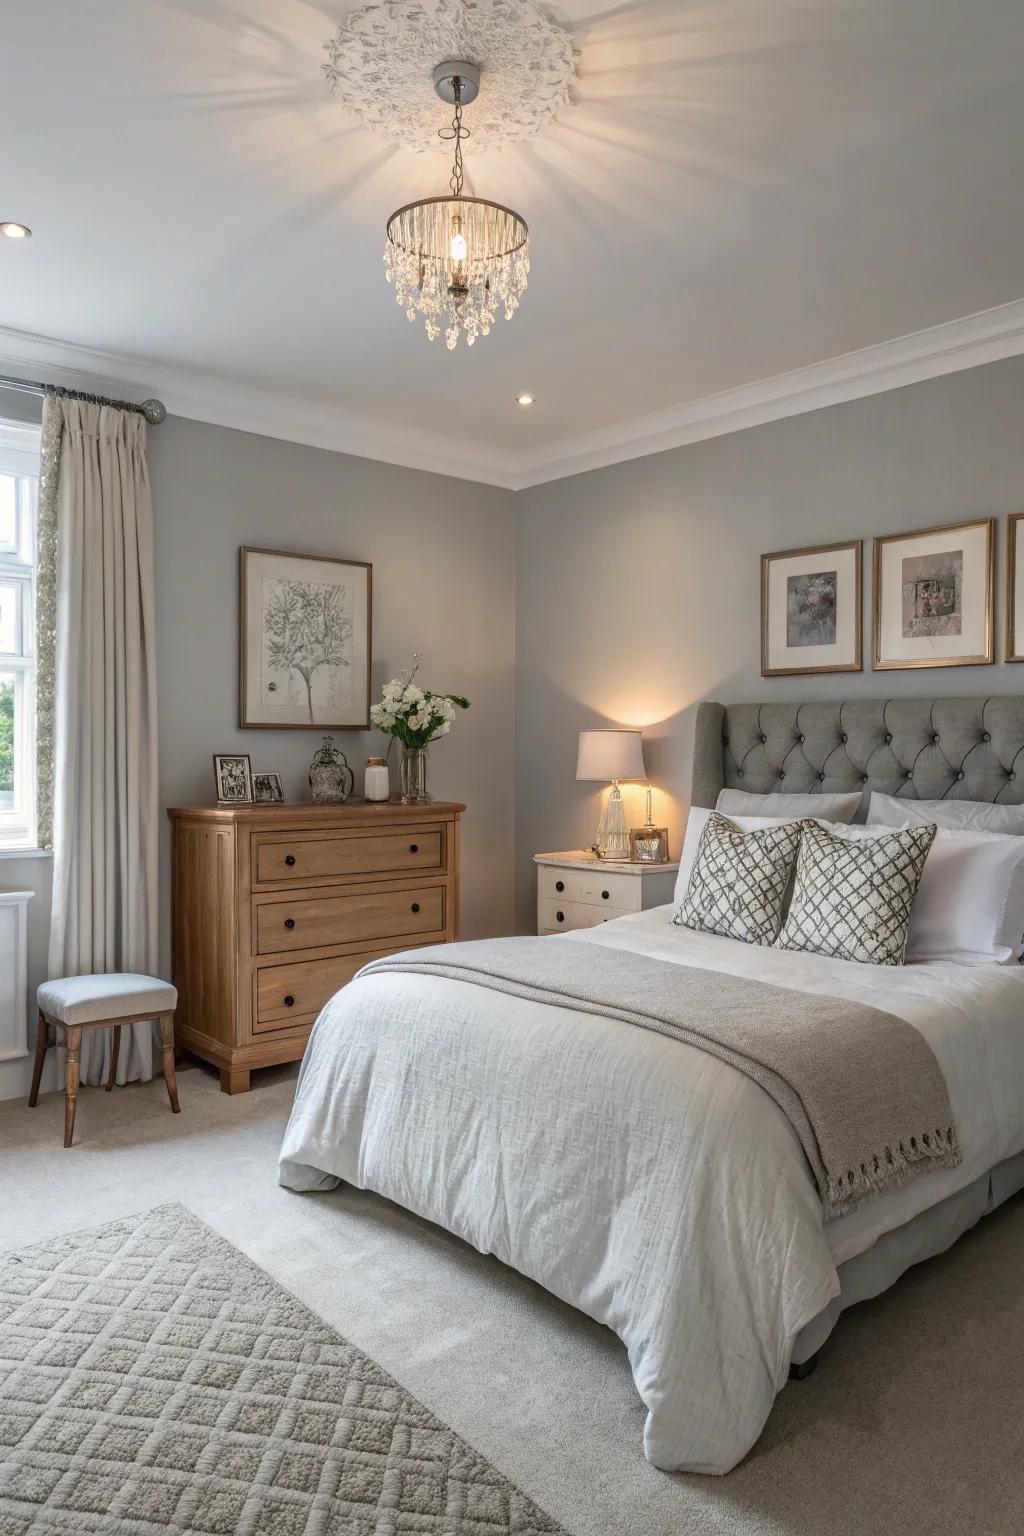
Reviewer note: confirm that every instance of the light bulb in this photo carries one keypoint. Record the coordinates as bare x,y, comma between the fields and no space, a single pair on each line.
14,231
460,250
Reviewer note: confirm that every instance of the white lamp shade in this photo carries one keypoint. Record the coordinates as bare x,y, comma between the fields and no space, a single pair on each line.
610,754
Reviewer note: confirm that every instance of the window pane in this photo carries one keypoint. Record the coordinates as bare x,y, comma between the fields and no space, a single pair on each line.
10,636
8,512
6,742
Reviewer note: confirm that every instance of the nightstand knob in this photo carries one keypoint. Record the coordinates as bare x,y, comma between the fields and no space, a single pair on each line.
289,922
414,847
415,906
560,916
289,1001
559,885
604,895
289,859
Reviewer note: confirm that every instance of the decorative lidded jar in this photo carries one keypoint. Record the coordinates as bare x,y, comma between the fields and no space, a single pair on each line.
330,777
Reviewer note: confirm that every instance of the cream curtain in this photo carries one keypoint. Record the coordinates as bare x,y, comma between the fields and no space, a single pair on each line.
97,706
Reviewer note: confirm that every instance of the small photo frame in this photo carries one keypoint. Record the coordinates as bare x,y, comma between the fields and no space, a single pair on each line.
266,789
1014,590
811,610
233,773
933,597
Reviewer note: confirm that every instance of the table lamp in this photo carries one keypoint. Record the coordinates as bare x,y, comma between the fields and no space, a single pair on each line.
610,755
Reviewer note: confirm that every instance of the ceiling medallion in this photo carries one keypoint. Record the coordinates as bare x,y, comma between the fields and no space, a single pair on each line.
379,61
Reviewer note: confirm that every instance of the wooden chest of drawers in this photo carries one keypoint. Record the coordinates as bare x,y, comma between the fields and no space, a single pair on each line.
276,907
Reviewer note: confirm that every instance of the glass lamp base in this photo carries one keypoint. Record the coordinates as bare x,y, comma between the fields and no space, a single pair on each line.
612,833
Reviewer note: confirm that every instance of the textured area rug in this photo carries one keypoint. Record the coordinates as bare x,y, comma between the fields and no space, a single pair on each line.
153,1379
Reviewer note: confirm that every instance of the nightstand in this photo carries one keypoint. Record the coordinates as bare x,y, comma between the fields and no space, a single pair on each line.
577,890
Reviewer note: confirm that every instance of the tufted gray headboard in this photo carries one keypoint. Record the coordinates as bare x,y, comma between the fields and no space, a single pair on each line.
924,749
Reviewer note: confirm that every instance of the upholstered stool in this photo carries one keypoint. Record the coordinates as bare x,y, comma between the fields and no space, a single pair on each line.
101,1002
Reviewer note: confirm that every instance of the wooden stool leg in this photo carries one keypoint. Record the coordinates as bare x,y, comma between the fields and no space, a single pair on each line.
115,1047
42,1033
72,1058
170,1076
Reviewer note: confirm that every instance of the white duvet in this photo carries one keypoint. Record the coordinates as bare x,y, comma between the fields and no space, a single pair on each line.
639,1179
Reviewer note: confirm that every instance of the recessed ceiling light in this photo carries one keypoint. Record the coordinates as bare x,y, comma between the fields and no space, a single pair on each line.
14,231
524,399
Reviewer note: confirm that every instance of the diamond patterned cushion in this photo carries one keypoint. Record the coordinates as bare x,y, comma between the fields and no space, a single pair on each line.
853,898
738,880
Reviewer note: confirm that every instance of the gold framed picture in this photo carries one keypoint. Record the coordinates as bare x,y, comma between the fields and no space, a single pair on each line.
933,597
304,650
1014,649
811,610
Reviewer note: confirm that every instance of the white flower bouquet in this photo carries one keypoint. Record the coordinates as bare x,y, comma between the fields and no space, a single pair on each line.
415,715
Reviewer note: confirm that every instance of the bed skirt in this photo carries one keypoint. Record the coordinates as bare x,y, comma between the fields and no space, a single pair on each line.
929,1234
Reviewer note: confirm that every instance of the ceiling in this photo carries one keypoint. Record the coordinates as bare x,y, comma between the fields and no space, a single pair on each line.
740,188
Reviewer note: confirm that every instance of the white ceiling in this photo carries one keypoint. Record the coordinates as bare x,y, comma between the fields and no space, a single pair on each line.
742,188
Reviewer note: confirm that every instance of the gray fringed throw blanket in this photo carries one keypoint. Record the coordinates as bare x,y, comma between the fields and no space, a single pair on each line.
861,1088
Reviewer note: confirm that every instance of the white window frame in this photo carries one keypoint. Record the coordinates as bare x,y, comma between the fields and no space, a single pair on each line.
19,456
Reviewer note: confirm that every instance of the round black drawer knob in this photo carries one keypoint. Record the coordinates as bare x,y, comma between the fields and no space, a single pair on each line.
415,906
559,885
289,1001
604,895
560,916
414,847
289,922
289,859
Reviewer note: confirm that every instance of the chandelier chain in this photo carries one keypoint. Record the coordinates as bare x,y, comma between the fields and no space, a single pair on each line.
456,133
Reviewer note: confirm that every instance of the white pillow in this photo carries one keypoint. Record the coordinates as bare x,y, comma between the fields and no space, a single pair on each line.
970,901
955,815
736,802
695,824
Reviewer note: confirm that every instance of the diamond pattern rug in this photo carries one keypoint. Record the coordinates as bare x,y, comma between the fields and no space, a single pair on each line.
154,1380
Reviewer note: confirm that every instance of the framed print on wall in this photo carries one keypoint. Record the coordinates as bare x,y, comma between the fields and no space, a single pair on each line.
304,647
1014,590
933,597
811,610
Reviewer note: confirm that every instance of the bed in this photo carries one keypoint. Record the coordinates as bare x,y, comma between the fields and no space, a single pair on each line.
645,1182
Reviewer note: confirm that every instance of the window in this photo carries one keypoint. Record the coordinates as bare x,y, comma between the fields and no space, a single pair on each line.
19,492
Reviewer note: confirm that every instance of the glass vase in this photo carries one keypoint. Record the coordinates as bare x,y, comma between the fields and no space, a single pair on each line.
414,776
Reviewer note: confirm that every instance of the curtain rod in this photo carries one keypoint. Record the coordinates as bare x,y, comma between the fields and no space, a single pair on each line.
154,410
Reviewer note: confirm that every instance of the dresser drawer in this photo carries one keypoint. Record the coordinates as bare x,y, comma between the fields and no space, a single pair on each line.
600,887
278,857
294,992
559,915
304,923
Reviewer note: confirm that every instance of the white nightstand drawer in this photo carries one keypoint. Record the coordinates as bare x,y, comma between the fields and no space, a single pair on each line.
600,887
558,915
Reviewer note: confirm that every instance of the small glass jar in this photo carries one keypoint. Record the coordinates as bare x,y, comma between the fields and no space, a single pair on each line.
376,782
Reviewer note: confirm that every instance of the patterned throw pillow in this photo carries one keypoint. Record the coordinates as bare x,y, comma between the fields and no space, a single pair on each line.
738,880
853,898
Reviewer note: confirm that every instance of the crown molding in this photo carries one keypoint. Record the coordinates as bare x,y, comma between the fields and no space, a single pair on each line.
985,337
201,397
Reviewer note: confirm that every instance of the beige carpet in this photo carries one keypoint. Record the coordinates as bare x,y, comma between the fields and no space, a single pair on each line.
914,1422
153,1379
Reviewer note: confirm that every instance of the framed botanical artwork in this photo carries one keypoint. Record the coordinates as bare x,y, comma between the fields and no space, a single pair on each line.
304,649
811,610
1014,589
933,597
233,773
266,788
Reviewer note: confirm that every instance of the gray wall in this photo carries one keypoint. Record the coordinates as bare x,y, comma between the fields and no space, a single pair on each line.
443,556
638,585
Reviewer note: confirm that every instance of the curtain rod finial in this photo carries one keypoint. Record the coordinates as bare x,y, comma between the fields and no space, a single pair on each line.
154,411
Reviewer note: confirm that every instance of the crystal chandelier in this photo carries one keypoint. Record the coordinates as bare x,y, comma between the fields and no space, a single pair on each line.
457,259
